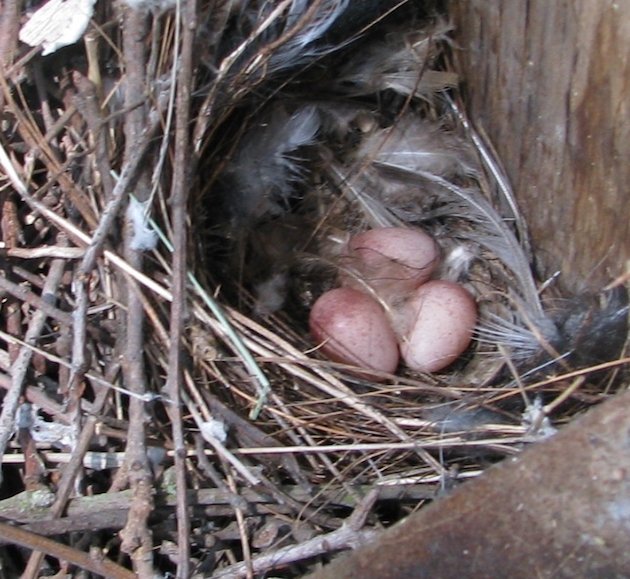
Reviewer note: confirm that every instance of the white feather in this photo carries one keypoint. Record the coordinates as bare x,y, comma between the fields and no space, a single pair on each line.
57,23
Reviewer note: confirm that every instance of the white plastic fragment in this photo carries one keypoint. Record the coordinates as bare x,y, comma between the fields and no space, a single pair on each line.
57,23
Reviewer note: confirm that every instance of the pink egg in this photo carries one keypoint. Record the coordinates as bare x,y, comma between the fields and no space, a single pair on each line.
354,329
392,260
435,325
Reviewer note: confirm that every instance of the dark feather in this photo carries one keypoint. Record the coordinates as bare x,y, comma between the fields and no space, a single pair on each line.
266,167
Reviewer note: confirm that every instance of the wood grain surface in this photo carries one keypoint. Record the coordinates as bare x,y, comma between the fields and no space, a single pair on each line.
550,84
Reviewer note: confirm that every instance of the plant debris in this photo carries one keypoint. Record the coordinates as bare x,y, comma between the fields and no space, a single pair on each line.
176,186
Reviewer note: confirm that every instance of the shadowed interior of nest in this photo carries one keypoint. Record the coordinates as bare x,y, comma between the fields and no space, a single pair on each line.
300,114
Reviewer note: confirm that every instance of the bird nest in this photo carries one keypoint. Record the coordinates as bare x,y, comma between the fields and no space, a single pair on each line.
177,184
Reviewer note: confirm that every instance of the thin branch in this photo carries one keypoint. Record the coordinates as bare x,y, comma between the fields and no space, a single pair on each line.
179,204
30,540
136,537
20,367
349,535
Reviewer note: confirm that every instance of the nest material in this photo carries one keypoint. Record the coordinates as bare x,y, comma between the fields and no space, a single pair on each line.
161,365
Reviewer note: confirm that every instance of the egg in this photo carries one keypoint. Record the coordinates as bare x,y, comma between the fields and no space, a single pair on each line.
391,261
353,328
435,325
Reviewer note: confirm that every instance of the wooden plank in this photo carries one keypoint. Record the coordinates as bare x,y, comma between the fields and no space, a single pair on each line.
550,84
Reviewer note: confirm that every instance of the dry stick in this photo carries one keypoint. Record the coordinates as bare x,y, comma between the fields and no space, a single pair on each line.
96,379
96,241
179,201
11,234
244,471
41,150
77,235
63,494
35,559
54,251
35,396
136,537
25,507
242,531
208,469
86,101
99,237
13,316
30,540
21,364
67,482
350,535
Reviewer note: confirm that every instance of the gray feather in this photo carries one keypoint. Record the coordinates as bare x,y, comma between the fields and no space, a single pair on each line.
298,33
267,165
302,45
399,62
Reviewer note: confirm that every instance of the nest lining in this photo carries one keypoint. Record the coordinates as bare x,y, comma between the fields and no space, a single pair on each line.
305,441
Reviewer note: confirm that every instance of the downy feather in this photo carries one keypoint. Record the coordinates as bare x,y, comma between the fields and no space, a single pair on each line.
297,33
399,62
266,166
303,45
418,145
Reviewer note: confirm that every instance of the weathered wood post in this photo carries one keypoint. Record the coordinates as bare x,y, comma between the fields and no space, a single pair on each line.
550,84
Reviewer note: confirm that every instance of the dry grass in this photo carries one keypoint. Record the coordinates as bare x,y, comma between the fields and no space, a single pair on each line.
137,359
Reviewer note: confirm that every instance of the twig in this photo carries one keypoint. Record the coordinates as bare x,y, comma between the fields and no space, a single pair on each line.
179,204
30,540
97,379
21,364
87,104
236,500
136,536
46,251
9,26
350,535
242,531
26,508
65,488
35,396
42,150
